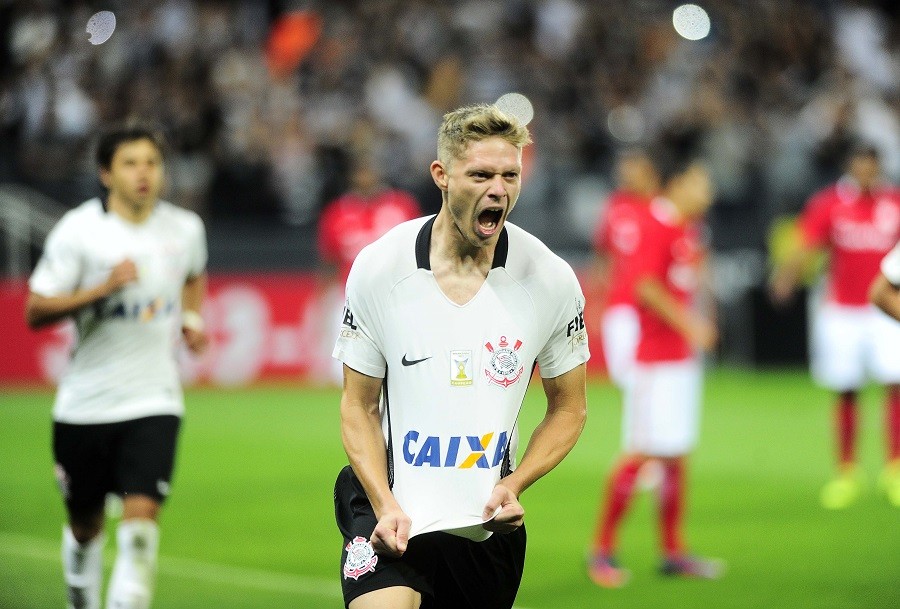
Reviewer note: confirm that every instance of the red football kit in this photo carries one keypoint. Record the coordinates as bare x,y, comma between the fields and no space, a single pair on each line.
619,234
671,252
858,229
351,222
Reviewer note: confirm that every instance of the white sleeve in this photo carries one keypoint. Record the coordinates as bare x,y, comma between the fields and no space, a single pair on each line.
198,251
359,341
890,266
567,346
59,269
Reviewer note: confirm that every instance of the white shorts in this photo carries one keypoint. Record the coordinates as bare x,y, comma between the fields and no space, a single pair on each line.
662,408
621,330
853,344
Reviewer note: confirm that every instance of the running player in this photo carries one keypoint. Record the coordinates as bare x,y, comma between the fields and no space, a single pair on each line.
857,221
446,318
129,269
662,400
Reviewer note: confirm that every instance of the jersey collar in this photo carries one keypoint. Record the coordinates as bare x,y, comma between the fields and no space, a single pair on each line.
423,247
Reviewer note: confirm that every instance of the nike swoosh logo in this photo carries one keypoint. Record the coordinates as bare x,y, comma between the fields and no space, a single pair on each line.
412,362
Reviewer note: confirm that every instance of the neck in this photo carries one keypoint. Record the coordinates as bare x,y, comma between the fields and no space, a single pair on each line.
133,211
450,249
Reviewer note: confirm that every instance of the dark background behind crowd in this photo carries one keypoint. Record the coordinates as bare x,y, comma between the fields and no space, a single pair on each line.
266,103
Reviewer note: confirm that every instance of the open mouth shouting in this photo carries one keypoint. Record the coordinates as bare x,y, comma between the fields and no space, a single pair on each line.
488,221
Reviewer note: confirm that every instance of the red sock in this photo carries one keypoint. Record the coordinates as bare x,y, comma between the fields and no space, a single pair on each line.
893,423
846,427
671,504
618,496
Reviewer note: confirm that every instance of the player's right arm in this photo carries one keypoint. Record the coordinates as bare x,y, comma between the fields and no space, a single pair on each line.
885,290
41,310
786,277
366,450
885,296
813,227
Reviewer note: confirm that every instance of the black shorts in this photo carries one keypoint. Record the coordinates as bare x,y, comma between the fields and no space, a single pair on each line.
449,571
129,457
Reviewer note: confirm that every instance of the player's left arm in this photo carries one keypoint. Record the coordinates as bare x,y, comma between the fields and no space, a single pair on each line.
549,444
886,296
698,331
706,290
192,326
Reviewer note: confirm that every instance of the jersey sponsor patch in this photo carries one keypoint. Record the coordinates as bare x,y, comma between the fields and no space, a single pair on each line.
349,329
348,320
483,451
576,331
504,367
361,558
461,368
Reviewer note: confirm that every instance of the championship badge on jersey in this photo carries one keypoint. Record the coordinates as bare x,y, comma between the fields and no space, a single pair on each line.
461,368
361,558
504,367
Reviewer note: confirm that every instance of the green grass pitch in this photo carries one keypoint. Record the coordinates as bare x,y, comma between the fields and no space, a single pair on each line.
250,522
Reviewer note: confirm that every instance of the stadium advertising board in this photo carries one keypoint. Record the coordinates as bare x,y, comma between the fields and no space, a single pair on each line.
263,327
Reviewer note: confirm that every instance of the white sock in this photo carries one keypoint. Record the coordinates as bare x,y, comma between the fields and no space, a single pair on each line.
134,574
83,570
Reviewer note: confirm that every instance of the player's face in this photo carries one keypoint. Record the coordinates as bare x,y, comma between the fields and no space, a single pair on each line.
636,174
865,169
697,190
482,187
135,175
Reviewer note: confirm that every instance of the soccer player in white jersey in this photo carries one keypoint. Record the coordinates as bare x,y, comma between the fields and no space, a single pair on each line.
885,294
446,318
129,269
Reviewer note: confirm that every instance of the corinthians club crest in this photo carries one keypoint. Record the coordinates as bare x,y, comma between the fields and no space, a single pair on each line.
504,367
361,558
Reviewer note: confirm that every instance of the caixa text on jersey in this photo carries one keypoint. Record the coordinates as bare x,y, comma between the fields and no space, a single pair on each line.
463,452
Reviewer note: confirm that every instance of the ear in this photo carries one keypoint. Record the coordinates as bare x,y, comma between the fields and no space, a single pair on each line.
104,177
439,175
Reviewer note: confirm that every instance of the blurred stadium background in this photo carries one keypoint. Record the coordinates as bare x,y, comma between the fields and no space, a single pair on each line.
266,103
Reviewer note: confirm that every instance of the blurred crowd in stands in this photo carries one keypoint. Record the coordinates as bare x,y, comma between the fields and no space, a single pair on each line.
267,103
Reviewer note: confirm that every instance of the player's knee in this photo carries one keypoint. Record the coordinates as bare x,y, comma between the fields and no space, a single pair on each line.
140,507
86,527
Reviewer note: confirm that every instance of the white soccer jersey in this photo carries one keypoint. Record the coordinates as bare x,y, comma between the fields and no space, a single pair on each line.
890,266
123,365
455,375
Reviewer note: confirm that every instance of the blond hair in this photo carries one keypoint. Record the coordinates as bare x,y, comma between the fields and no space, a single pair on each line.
475,123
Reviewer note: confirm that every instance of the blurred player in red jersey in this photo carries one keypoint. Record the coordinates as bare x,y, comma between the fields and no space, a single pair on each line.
349,223
360,216
857,221
616,242
661,416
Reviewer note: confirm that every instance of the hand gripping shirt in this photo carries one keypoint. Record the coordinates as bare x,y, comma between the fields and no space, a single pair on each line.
123,364
455,375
